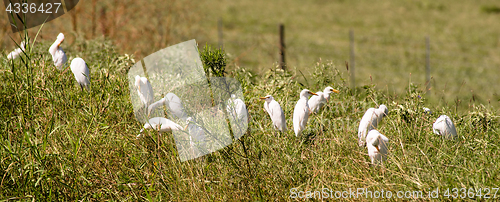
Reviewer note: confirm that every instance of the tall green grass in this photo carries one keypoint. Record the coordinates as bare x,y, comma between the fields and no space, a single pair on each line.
60,143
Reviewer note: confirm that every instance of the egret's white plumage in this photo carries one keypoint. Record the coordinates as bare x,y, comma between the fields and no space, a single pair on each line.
236,108
301,112
370,121
195,131
174,104
16,52
316,102
274,110
377,146
161,125
144,90
58,55
81,72
445,127
196,138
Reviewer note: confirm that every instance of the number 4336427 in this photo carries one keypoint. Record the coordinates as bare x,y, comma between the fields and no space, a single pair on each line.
33,8
470,193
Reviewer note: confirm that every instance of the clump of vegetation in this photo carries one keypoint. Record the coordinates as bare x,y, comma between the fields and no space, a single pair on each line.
214,61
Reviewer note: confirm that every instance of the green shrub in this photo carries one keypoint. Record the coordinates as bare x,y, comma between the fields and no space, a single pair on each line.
214,61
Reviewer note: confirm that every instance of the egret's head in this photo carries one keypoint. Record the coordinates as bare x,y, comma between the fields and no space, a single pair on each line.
329,90
138,82
427,111
268,98
233,96
60,39
306,93
188,121
384,109
373,139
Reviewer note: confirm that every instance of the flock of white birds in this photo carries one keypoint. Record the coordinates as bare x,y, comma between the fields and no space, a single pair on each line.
78,66
368,135
175,108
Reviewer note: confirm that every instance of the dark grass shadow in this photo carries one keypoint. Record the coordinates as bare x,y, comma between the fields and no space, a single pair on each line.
308,138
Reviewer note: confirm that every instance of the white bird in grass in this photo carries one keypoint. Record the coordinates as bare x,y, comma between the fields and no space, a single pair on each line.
196,137
274,110
370,121
16,52
58,55
238,116
144,90
173,102
316,102
161,125
301,112
237,109
377,146
81,72
427,110
445,127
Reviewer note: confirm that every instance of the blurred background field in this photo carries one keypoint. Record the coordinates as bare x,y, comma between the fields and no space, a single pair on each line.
389,37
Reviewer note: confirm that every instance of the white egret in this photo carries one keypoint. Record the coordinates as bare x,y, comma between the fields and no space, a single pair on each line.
16,52
274,110
237,109
58,55
445,127
196,137
173,102
316,102
81,72
195,131
370,121
301,112
238,116
161,125
427,110
377,146
197,145
144,90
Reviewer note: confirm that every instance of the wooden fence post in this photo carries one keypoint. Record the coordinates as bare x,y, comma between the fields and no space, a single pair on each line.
351,60
282,46
427,66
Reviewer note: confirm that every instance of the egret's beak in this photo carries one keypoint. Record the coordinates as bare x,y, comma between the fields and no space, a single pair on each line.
335,91
263,98
313,93
378,149
186,127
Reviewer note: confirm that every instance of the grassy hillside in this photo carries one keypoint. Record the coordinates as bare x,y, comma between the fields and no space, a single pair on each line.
60,143
389,37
